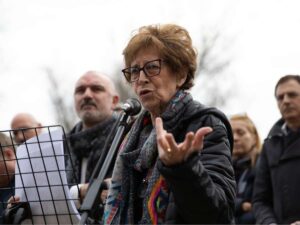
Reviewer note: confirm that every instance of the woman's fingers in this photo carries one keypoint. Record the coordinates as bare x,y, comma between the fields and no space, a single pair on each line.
172,145
187,143
159,126
199,136
172,153
160,134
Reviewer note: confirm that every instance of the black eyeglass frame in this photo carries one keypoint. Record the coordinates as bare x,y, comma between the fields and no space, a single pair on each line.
127,74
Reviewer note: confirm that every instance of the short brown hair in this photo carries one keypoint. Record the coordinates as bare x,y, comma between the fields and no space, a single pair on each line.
285,79
174,45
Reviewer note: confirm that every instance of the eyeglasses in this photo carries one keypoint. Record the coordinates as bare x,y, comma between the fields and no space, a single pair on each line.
151,68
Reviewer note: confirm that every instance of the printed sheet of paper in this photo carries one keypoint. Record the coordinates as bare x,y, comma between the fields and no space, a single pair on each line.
41,180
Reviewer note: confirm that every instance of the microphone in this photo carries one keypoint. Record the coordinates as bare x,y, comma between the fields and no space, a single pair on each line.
132,106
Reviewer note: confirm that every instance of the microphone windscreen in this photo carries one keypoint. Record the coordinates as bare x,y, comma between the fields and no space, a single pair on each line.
132,106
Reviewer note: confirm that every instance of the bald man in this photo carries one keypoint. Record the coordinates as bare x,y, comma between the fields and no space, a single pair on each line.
95,99
25,126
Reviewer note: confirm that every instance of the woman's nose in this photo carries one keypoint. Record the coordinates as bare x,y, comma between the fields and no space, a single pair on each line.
143,77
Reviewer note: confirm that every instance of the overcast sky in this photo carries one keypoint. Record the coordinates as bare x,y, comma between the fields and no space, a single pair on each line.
72,37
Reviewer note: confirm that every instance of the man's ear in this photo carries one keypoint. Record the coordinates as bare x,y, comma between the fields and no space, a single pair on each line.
115,101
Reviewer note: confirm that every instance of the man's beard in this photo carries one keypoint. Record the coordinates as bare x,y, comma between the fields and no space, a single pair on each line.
91,117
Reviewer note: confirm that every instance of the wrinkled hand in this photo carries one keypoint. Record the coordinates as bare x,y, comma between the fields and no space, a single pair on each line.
12,200
83,190
171,153
103,195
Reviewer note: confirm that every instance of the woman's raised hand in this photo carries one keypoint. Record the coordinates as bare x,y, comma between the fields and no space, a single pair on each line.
172,153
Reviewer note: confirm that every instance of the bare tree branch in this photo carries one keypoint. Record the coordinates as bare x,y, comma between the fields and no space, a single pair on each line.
212,70
63,111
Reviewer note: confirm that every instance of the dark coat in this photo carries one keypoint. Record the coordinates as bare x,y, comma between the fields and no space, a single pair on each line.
207,196
5,194
92,144
276,192
201,190
244,173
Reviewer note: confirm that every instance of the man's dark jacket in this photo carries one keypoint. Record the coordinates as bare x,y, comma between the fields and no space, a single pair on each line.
88,144
276,197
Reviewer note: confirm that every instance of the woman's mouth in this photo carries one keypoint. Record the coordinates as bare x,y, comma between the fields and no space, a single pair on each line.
144,93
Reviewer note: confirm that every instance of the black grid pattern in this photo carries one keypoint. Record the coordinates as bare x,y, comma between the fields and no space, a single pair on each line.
40,176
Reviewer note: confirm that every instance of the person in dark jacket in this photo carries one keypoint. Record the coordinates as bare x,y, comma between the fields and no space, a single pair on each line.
276,194
95,99
174,166
246,148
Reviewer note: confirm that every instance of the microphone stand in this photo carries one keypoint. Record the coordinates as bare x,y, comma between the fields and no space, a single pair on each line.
94,188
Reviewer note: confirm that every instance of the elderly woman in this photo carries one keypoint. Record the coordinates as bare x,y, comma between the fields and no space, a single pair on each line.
174,166
247,146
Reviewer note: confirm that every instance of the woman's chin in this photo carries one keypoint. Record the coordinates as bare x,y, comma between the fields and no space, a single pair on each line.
150,106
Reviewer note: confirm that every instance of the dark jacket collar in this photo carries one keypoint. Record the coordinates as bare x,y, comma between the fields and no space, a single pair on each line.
276,130
279,129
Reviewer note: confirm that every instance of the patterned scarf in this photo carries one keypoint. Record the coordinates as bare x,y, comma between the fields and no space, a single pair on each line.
86,144
123,191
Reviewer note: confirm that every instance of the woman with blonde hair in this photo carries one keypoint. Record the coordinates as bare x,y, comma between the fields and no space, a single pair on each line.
246,148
